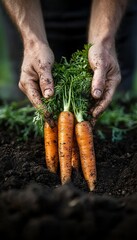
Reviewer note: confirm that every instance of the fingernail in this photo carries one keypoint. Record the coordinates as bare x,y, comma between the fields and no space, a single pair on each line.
97,93
48,92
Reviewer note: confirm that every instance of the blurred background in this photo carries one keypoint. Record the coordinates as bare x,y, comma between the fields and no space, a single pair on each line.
11,55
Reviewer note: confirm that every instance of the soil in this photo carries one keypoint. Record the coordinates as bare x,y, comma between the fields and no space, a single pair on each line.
34,204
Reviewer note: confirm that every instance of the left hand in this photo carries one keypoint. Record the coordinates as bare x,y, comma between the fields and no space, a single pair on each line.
106,77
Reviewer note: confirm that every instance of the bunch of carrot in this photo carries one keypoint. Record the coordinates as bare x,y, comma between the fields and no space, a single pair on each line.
69,143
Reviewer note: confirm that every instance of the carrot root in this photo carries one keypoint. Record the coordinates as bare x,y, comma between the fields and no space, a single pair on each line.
51,147
75,154
65,139
84,138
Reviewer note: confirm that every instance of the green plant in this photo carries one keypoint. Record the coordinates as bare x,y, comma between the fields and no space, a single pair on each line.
19,118
119,118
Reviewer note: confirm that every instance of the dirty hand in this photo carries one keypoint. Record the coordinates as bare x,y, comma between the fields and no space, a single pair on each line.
36,79
106,77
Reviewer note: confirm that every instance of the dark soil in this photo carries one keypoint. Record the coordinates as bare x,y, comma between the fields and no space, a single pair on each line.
34,204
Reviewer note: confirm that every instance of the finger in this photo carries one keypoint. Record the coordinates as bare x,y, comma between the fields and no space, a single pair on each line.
98,83
31,90
46,81
106,99
29,85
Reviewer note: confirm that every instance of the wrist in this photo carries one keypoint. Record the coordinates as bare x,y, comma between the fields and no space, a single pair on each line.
32,42
33,35
107,41
35,48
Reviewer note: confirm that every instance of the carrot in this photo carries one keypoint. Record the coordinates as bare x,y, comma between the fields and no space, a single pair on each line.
51,147
65,139
84,138
75,154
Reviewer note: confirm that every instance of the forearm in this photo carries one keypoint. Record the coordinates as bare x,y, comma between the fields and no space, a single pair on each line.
27,16
105,18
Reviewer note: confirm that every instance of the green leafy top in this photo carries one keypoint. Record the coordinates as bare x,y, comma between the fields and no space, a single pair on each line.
72,80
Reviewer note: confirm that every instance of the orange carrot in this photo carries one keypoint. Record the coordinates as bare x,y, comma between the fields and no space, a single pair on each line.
65,139
75,154
84,138
51,147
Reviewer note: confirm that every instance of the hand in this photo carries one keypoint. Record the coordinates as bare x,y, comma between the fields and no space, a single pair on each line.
36,78
106,78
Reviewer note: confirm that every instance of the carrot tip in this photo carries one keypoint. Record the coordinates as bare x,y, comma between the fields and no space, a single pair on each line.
91,185
91,188
65,181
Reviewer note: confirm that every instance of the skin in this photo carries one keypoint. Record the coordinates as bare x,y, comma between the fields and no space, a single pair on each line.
105,18
36,78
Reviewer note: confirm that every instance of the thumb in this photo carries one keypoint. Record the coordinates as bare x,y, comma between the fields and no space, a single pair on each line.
46,82
98,83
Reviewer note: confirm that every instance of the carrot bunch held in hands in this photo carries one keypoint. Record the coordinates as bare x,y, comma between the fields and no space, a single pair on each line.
72,138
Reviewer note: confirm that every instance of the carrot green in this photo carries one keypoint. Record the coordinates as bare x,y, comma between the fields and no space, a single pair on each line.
72,80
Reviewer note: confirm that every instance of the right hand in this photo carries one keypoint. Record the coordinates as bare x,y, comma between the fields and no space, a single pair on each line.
106,77
36,79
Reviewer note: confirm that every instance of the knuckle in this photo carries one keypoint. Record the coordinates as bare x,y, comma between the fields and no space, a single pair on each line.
20,85
46,80
99,64
99,61
47,86
22,82
25,70
44,66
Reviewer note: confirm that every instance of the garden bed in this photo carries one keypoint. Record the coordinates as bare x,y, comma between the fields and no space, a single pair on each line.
34,204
